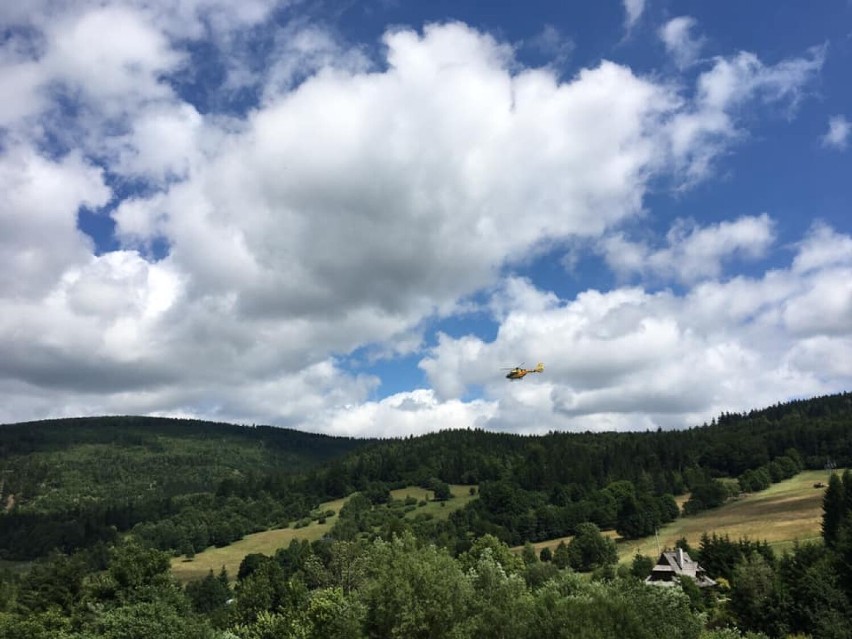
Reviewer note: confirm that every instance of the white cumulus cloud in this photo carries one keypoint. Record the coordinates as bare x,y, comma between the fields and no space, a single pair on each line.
633,10
682,45
692,253
837,136
702,130
355,202
628,358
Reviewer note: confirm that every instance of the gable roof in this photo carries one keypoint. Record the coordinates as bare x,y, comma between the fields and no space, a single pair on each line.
674,564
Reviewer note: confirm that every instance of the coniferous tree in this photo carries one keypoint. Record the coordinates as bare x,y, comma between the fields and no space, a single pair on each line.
528,554
847,491
754,596
208,594
833,509
561,556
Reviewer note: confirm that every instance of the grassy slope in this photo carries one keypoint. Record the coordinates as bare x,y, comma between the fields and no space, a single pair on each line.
461,497
785,512
267,542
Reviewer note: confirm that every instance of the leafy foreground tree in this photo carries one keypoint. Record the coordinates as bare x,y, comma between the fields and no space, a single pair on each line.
589,549
135,597
733,633
627,609
415,590
407,588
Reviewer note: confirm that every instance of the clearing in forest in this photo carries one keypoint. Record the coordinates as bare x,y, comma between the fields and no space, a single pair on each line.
788,511
267,542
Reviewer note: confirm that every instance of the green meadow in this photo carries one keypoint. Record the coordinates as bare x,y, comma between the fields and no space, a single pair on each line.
438,510
784,513
268,541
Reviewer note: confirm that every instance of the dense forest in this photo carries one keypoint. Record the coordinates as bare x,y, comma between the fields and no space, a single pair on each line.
69,483
94,507
540,487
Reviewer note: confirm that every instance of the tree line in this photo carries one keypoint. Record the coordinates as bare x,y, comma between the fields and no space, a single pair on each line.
69,505
405,587
183,485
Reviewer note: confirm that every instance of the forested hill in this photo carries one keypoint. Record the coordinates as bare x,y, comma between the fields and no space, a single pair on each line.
817,430
533,488
115,457
68,483
56,434
111,493
182,485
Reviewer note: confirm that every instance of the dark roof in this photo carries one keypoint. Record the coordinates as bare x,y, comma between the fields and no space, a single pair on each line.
674,564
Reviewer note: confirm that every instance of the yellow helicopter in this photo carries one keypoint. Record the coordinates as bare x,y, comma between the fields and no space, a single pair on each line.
519,373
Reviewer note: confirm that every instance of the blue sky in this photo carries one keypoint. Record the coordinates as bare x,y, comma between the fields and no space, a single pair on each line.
348,217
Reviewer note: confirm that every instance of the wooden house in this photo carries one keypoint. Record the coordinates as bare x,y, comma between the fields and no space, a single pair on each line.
674,565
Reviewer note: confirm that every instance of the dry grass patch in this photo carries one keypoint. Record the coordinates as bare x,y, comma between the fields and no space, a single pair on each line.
230,557
438,510
267,542
785,512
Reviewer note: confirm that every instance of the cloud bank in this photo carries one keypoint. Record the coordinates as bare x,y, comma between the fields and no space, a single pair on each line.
353,202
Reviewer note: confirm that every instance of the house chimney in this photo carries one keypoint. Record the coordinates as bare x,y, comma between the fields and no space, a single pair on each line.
680,557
